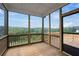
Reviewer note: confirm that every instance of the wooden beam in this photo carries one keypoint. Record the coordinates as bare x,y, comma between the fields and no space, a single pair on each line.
49,34
61,31
71,12
29,41
43,29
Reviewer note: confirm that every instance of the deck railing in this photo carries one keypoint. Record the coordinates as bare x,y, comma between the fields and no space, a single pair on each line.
55,41
15,40
35,38
71,39
46,38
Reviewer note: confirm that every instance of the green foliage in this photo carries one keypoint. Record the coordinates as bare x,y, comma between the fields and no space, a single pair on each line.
70,29
36,30
55,30
34,38
17,30
18,40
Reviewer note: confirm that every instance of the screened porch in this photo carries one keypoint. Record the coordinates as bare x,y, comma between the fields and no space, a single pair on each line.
40,29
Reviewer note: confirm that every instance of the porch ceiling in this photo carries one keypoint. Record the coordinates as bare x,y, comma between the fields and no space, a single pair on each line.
36,9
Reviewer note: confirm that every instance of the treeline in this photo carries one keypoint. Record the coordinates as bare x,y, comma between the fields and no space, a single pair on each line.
71,29
22,30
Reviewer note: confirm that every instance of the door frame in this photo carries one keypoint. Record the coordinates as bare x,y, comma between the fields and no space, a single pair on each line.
75,11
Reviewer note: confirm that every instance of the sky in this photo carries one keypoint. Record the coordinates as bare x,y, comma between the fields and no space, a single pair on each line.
1,17
20,20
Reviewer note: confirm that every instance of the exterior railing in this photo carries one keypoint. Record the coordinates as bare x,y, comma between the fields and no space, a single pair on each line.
35,38
46,38
71,39
55,41
15,40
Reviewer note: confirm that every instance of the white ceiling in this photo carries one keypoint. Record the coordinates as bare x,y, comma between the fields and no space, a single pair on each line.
36,9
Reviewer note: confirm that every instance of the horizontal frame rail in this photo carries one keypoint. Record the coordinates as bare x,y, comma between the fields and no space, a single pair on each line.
71,12
70,33
26,34
55,35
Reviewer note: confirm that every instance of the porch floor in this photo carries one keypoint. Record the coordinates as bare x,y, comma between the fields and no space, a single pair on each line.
39,49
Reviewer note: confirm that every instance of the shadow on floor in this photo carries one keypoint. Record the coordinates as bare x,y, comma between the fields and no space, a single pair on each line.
71,50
